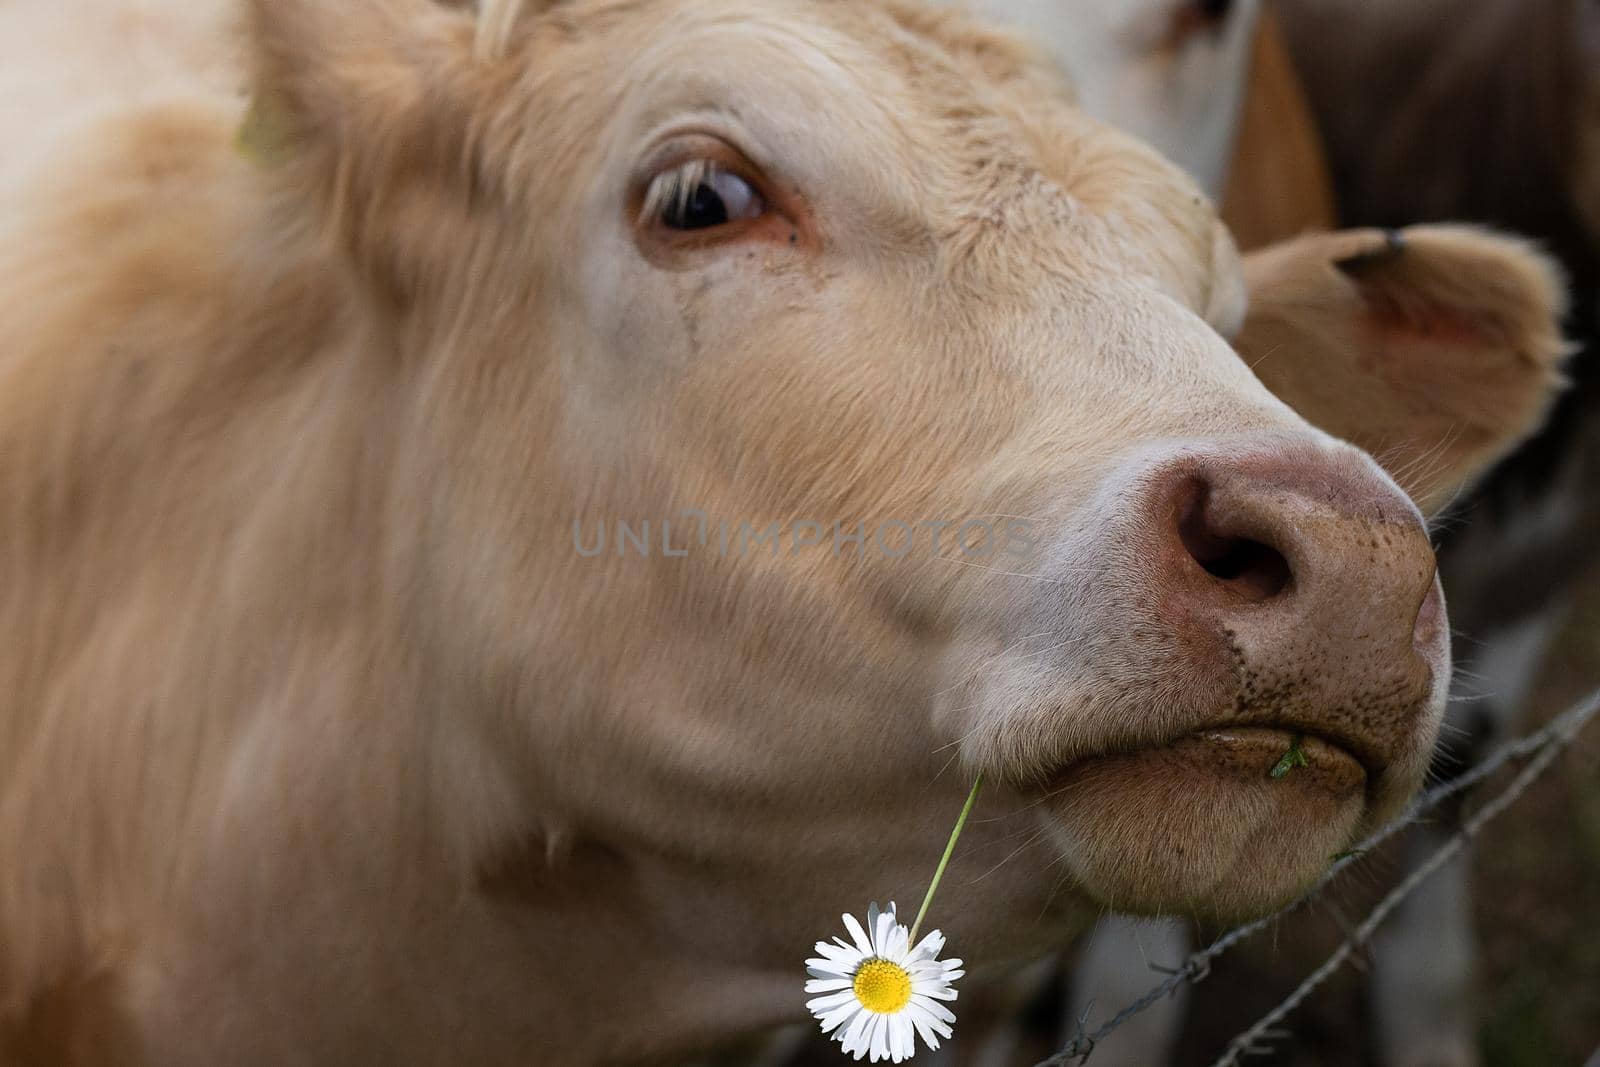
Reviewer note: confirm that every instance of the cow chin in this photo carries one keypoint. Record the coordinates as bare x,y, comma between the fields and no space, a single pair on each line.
1201,827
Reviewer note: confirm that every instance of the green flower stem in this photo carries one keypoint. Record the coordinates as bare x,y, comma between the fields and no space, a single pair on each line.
944,861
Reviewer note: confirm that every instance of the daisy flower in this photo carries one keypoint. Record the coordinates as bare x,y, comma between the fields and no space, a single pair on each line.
876,993
879,993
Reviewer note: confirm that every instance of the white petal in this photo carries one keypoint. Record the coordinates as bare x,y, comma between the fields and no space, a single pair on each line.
895,944
880,1038
925,1011
827,985
845,956
825,968
839,1016
902,1042
881,934
863,942
821,1006
921,979
852,953
820,968
855,1035
934,1008
928,1027
864,1041
830,951
930,946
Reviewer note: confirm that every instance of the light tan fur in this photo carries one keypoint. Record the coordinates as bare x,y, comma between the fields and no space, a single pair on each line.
319,743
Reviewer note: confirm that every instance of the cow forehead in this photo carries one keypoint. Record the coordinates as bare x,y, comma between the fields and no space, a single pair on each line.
868,64
915,32
935,117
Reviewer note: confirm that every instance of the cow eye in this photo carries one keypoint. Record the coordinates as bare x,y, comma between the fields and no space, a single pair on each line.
700,195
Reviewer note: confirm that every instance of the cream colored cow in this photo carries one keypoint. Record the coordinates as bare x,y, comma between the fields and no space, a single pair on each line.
323,738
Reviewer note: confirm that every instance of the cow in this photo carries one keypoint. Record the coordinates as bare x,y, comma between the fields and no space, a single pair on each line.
1487,112
325,737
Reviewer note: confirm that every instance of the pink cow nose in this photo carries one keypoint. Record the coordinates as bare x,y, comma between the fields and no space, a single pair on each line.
1314,574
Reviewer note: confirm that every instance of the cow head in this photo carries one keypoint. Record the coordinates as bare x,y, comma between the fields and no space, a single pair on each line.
911,388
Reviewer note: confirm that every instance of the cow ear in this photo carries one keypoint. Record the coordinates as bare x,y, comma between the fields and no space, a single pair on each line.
364,110
346,76
1438,349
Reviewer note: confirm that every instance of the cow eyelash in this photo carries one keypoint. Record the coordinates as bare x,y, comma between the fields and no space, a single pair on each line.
700,195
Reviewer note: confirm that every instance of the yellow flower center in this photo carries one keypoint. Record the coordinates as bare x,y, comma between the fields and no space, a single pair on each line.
882,987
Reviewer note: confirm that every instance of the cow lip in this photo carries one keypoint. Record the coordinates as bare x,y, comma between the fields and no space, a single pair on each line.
1280,736
1351,745
1277,743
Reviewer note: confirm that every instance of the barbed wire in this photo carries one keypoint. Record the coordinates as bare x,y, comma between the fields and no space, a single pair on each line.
1250,1040
1540,748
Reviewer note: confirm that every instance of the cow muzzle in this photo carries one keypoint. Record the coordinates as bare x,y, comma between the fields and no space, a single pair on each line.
1305,584
1260,677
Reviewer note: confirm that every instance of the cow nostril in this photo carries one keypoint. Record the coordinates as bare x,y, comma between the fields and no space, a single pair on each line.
1251,570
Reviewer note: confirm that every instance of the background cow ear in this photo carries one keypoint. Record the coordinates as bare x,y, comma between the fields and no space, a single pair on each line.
1438,349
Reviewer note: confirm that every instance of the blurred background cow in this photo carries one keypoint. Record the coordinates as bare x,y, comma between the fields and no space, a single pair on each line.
1488,112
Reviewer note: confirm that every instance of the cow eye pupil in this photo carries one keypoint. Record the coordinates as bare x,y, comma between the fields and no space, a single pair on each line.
1215,10
702,196
702,209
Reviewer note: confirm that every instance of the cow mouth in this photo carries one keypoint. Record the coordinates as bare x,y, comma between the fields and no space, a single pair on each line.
1224,822
1252,752
1279,754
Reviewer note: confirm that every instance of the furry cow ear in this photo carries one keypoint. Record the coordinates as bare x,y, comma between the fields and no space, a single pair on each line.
349,72
1438,349
363,110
